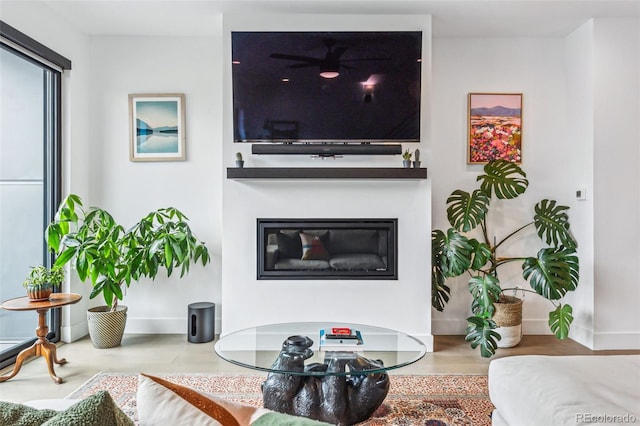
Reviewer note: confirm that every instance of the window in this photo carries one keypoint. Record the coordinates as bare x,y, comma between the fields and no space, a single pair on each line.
30,176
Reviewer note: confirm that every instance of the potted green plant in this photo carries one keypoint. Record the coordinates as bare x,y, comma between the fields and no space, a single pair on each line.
406,159
239,160
551,273
416,159
110,256
41,281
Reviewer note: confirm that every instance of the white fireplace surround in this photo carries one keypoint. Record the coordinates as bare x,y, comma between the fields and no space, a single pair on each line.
403,304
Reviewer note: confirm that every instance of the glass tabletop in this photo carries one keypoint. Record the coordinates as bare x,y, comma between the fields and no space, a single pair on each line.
259,347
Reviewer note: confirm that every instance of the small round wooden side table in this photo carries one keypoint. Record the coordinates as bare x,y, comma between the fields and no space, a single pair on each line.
42,347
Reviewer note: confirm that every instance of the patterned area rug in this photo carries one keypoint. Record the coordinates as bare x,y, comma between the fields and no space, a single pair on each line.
433,400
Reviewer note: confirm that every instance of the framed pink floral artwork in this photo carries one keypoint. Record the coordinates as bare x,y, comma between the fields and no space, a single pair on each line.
495,127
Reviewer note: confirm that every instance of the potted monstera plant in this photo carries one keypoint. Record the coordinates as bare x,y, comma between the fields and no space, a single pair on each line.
470,247
110,256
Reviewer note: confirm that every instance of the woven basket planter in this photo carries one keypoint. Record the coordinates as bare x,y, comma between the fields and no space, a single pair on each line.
105,327
508,318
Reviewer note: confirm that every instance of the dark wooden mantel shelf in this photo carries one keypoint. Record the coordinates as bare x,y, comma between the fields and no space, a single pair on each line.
389,173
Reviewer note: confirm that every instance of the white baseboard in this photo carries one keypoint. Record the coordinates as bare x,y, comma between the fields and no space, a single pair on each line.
427,339
448,326
458,327
582,335
160,326
74,332
616,341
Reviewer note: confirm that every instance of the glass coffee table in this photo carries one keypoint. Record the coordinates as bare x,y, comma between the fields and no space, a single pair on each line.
336,386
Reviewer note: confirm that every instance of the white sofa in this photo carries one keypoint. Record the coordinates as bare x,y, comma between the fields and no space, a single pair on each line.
533,390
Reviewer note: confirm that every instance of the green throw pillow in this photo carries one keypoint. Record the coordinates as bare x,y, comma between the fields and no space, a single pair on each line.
279,419
22,415
95,410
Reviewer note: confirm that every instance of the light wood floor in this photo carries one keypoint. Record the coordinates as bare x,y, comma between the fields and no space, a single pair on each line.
158,354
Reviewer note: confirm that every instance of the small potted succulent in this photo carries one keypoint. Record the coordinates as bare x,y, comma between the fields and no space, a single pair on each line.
416,159
41,282
239,160
406,159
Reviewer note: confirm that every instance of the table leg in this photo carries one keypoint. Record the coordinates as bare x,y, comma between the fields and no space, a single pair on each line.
42,347
49,352
30,351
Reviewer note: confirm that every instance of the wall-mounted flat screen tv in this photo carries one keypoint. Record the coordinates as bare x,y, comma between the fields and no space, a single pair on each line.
326,87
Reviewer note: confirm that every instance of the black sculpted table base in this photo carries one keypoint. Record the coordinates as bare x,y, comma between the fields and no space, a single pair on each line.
342,386
341,391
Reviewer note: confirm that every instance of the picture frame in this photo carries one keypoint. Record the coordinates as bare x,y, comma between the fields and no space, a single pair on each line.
157,127
494,127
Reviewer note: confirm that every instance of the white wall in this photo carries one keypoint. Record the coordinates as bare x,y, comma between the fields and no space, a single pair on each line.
578,63
533,67
96,151
580,131
189,65
617,182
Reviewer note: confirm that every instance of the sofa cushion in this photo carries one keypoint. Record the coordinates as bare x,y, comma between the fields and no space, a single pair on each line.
544,390
98,409
313,248
357,262
289,245
18,414
301,265
353,241
160,402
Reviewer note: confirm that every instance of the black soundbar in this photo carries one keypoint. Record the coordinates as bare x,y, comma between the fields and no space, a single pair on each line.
325,150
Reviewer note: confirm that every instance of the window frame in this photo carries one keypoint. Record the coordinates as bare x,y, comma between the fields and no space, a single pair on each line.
29,49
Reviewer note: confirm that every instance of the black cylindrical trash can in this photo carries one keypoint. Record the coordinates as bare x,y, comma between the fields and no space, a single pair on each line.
202,321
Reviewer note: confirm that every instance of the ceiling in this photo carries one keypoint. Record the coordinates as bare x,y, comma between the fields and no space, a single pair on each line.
451,18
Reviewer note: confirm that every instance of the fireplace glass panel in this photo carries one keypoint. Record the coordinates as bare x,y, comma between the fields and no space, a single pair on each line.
327,249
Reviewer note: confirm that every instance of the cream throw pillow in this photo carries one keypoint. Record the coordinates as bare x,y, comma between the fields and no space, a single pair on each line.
313,248
161,402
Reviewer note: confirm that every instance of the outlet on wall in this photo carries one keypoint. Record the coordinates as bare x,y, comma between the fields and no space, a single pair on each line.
581,194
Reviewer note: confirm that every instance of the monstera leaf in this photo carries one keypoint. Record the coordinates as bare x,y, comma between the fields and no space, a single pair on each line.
485,290
480,333
552,223
481,254
560,320
507,180
553,272
451,251
466,211
440,292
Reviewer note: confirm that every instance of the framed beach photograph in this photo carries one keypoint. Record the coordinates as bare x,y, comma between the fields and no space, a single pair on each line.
157,127
495,127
